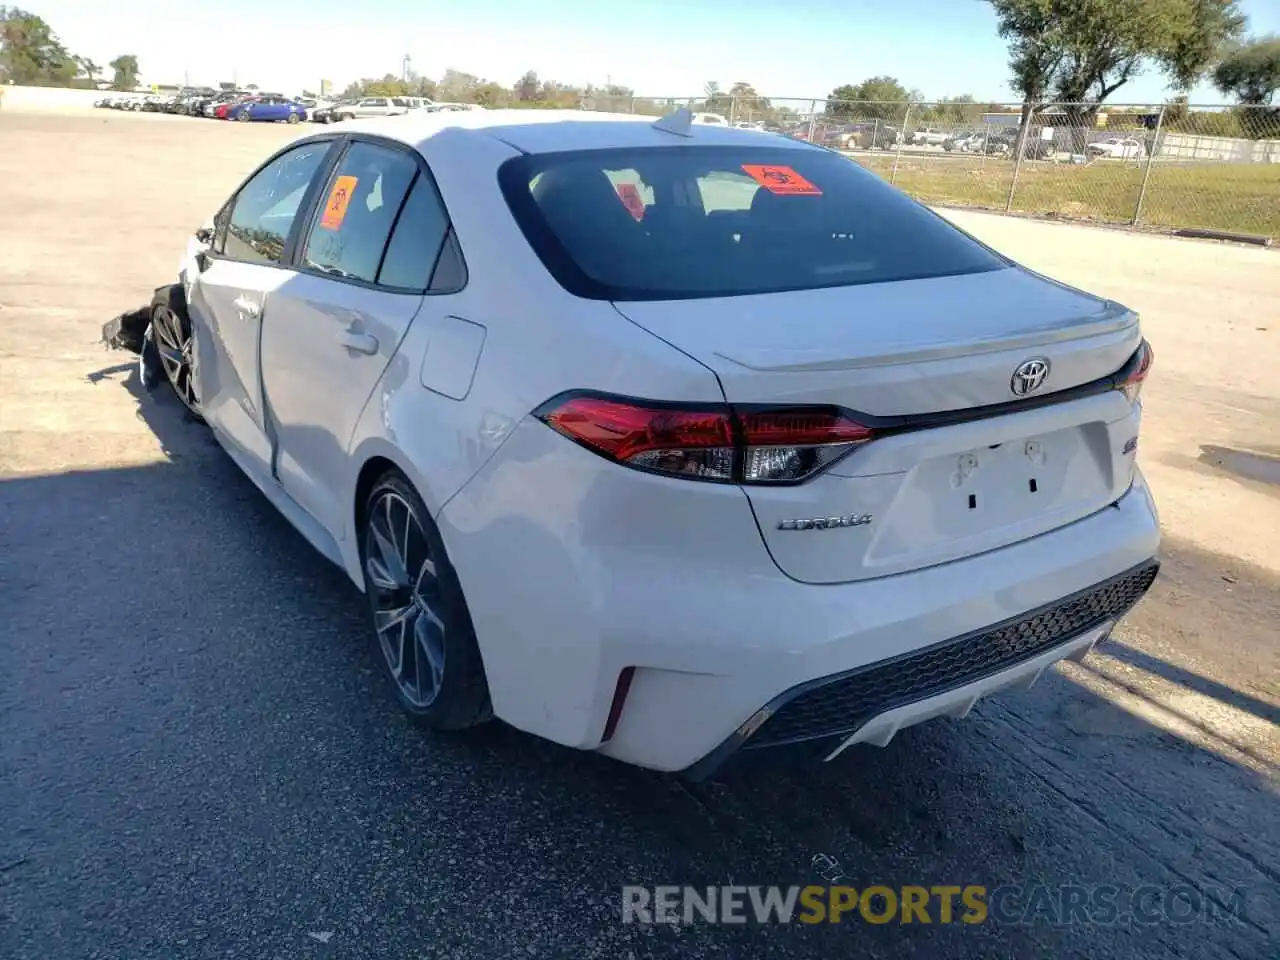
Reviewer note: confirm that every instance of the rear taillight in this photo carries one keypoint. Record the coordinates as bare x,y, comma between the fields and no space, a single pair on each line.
708,442
1136,374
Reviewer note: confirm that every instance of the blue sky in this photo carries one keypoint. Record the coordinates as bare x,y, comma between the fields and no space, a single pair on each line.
801,48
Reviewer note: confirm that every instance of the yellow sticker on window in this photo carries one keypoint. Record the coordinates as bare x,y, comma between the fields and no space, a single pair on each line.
335,208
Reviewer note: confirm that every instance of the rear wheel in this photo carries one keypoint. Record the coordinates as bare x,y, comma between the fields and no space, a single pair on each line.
293,118
420,618
243,116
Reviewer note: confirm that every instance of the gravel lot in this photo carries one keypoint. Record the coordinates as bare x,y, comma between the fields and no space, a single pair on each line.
199,757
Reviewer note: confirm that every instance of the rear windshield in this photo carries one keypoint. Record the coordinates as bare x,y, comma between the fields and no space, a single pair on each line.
666,223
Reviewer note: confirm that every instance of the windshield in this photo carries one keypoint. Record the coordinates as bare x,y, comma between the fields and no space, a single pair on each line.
663,223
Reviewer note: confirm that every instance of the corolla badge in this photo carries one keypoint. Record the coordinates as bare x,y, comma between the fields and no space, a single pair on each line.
827,523
1030,376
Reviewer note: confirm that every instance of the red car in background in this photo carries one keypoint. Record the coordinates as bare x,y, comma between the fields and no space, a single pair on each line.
220,112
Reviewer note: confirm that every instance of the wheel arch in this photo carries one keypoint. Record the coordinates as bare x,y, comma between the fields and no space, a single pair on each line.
375,457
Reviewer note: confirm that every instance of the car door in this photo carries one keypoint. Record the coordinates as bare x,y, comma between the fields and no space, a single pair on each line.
229,295
336,325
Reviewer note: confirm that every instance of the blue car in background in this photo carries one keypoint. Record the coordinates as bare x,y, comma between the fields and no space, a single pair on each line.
267,108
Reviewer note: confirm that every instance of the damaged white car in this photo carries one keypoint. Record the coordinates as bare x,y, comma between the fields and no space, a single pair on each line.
662,439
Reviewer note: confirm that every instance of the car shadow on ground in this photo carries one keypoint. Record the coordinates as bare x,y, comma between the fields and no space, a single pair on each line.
208,648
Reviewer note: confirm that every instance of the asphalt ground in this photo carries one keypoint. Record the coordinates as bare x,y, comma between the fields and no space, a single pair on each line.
199,756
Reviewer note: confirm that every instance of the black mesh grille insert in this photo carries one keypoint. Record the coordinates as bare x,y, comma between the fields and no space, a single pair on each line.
844,703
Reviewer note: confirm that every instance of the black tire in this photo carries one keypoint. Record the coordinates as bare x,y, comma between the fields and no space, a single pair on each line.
170,341
460,698
243,116
293,118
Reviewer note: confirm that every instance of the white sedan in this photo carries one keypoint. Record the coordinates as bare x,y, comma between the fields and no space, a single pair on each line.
662,439
1117,148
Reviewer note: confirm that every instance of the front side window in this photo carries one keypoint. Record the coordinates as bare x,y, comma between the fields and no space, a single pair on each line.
666,223
263,212
358,210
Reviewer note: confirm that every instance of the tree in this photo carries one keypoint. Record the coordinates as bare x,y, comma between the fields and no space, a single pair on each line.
126,72
456,86
746,104
527,87
87,69
875,98
1250,72
30,52
954,110
1082,51
490,94
389,86
717,101
840,101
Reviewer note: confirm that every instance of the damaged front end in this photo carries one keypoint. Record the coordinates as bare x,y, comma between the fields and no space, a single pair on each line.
132,331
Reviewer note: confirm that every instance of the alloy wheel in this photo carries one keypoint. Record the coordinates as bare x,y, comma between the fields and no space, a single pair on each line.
174,347
405,595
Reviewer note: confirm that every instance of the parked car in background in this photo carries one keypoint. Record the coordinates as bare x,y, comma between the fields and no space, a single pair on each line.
965,141
757,524
218,106
998,145
1117,148
929,137
714,119
267,109
374,107
331,112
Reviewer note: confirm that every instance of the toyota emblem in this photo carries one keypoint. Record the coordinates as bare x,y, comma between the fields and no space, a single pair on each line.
1030,376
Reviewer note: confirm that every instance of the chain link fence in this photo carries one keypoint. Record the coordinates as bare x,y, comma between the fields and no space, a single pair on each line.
1179,166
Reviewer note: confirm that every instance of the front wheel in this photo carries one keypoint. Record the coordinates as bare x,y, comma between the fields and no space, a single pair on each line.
171,335
293,118
243,116
420,618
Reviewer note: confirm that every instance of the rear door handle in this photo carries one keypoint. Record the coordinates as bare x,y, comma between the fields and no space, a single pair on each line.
249,308
358,342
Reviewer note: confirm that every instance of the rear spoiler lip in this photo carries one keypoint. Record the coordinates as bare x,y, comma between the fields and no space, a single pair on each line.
1113,318
947,418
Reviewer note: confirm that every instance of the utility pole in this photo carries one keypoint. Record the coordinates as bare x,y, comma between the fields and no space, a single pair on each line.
404,68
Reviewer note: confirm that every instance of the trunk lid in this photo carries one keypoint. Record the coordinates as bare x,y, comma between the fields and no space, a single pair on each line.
912,348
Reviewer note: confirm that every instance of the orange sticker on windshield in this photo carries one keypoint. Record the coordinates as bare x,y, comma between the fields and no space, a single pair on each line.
335,208
629,194
781,180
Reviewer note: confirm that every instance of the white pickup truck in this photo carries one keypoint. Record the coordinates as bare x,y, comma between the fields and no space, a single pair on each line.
930,137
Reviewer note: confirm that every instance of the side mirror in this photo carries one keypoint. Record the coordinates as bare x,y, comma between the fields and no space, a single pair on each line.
205,234
202,261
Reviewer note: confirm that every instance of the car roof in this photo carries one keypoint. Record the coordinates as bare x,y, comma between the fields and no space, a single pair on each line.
550,131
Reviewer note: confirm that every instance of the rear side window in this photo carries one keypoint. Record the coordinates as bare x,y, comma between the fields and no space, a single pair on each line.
663,223
358,210
419,234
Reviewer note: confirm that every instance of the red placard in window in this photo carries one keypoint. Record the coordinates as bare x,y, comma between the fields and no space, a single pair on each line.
780,180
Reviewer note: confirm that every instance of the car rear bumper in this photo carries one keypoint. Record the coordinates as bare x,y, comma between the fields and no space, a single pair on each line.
579,573
870,704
